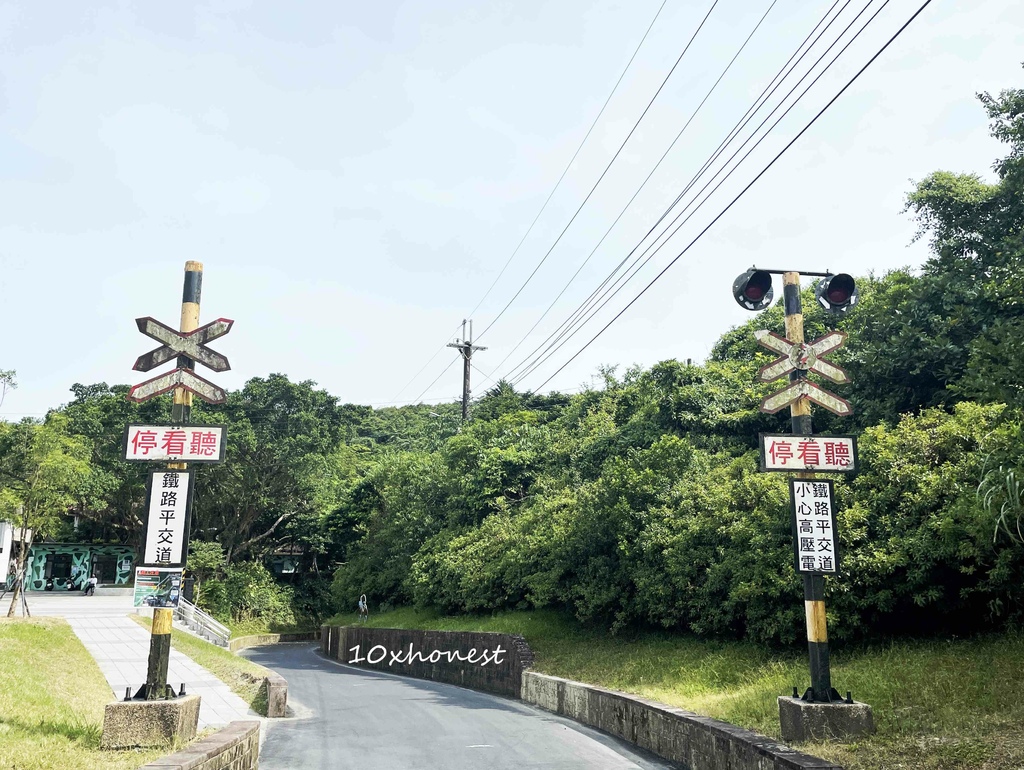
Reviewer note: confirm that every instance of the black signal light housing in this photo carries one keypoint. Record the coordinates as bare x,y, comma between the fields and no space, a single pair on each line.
753,290
836,293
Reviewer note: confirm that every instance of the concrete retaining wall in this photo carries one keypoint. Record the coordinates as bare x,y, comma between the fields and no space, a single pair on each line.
236,747
258,640
692,741
277,685
481,661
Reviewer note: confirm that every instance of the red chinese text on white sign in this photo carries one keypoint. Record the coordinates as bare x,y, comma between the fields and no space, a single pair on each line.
808,453
188,443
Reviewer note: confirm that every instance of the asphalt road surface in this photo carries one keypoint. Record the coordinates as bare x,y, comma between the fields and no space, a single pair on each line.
346,717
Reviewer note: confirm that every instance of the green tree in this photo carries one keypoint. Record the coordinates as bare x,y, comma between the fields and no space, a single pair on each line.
44,473
279,435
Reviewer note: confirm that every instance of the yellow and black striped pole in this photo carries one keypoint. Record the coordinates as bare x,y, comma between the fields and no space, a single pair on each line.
181,414
821,690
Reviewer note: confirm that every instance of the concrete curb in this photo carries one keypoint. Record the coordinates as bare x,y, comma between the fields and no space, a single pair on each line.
688,739
235,747
277,685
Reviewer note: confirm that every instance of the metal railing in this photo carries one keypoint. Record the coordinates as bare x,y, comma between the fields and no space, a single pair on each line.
201,622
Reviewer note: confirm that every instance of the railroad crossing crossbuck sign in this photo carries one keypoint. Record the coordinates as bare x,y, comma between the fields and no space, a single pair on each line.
191,345
805,357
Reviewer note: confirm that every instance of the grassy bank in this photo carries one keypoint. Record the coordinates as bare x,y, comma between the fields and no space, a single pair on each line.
242,676
938,705
52,695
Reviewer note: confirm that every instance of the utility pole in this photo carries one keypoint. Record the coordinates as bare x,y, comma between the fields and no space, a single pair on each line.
466,347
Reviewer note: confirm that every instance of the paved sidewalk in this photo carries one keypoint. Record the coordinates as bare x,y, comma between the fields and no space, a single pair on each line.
121,648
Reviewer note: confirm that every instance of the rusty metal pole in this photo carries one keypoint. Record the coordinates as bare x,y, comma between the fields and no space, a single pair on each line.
181,414
821,690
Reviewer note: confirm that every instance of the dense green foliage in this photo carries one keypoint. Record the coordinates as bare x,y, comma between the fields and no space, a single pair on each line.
638,503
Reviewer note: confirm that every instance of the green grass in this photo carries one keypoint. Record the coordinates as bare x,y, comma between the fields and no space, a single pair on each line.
52,696
242,676
938,705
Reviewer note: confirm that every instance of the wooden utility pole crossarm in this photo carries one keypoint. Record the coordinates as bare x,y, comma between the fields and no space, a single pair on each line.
466,347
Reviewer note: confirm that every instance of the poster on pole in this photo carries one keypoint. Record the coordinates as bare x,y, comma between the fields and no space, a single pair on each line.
814,526
168,513
157,587
174,443
824,454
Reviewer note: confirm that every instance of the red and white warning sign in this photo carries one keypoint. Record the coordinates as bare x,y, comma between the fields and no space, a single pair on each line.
174,443
825,454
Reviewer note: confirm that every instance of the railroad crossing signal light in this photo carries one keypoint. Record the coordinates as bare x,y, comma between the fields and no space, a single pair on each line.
753,289
836,293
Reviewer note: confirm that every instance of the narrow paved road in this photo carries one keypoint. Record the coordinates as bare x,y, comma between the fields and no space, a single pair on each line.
346,717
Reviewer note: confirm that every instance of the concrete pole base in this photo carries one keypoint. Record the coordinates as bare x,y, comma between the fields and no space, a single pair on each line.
802,721
127,724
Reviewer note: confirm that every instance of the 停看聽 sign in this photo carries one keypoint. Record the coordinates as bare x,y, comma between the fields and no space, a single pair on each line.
174,443
824,454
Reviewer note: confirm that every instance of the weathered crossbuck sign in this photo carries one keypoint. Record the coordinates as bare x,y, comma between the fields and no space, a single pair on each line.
191,344
814,527
178,378
789,452
805,357
174,443
820,396
187,346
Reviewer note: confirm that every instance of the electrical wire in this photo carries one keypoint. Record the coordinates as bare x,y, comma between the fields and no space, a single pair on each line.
423,368
766,94
640,188
550,195
559,338
745,189
571,160
603,173
442,374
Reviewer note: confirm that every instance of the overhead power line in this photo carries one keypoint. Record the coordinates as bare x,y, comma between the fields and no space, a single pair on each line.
432,384
603,295
424,367
571,161
746,188
547,200
637,192
603,173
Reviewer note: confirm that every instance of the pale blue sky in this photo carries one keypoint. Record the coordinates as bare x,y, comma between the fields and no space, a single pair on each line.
354,175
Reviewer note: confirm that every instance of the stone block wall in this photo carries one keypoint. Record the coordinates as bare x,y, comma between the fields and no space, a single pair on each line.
692,741
236,747
478,660
258,640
